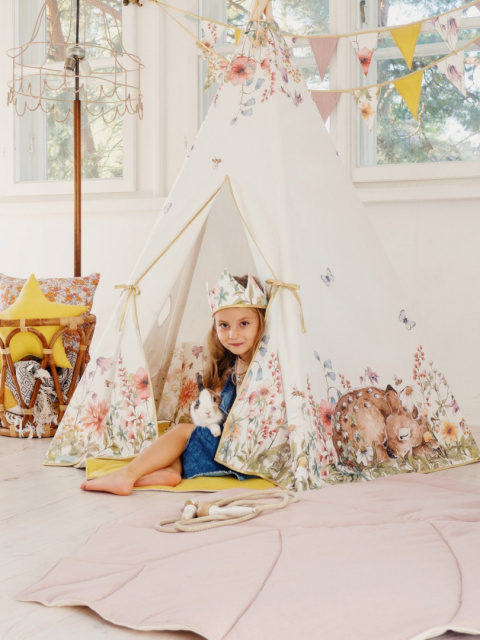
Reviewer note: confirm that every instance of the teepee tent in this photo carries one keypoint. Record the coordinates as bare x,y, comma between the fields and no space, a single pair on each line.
342,386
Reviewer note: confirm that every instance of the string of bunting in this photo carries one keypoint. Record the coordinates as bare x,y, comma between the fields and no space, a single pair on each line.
364,43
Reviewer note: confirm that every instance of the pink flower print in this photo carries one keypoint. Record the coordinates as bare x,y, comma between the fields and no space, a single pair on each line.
253,398
265,64
452,28
142,383
196,351
95,416
297,99
284,73
365,58
372,376
455,406
326,413
105,364
241,70
454,76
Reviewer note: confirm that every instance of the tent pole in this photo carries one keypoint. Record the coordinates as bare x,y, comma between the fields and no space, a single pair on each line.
77,164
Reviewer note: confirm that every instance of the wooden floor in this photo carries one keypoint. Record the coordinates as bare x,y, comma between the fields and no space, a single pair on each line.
44,516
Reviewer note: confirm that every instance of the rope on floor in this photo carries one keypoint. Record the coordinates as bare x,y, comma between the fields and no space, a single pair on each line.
227,511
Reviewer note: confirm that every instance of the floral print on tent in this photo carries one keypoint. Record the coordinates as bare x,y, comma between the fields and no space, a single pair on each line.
262,67
120,427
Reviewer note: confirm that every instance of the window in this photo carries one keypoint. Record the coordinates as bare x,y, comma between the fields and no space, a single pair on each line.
447,129
443,144
42,161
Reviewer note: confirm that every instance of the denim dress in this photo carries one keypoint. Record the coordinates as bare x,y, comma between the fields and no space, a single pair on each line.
198,456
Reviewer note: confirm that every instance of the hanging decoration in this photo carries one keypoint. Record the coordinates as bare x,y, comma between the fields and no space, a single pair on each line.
410,88
447,27
326,102
406,40
364,45
454,70
366,98
323,51
366,101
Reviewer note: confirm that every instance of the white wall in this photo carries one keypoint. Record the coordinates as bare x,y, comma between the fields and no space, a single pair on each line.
433,243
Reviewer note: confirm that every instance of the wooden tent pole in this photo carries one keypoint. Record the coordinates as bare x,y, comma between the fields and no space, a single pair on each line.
77,181
77,162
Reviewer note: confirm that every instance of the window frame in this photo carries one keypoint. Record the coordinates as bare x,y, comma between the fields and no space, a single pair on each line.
14,188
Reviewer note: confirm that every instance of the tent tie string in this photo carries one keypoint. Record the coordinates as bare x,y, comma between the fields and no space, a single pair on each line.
227,511
133,292
276,284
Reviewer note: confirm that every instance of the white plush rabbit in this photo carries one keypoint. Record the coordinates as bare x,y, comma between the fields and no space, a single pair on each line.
205,411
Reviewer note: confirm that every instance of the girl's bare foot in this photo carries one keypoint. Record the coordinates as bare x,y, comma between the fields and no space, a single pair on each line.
119,482
168,477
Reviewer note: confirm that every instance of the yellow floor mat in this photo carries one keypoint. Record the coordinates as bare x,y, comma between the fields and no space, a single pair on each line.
97,467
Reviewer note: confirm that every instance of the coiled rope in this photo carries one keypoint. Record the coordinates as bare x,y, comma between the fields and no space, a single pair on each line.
255,502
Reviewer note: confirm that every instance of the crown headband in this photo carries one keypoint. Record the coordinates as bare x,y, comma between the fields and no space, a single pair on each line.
229,293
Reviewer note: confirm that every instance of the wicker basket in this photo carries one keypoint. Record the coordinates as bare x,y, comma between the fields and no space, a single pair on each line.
81,327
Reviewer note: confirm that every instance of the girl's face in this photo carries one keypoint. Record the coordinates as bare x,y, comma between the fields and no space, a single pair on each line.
237,329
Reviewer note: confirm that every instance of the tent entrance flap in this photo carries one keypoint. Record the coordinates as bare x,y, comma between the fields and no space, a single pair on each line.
222,243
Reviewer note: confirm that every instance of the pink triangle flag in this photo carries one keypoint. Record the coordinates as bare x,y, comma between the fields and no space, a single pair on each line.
326,102
323,50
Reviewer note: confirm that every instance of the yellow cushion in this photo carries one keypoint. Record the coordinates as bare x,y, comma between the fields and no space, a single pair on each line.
9,399
30,304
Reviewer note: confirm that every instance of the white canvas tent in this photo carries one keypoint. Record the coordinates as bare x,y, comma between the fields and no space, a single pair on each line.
263,189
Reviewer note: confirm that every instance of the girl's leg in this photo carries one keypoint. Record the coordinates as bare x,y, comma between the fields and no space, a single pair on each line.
170,476
162,455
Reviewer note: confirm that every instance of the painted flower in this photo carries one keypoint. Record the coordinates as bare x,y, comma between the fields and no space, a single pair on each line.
365,57
326,413
253,398
188,393
297,99
264,390
454,405
142,383
105,364
241,70
302,462
265,64
427,437
410,398
95,417
364,455
449,432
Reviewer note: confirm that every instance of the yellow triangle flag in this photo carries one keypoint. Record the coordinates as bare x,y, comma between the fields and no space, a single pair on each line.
406,40
238,35
409,88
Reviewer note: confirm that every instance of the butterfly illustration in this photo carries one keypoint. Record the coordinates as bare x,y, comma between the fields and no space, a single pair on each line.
196,351
409,324
328,277
216,162
398,381
108,383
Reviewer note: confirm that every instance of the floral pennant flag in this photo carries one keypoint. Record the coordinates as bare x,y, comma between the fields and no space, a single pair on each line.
367,100
326,102
211,31
238,35
410,88
447,27
364,45
406,40
453,68
323,50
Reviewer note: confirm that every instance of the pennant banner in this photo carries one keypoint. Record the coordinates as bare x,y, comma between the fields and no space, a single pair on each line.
364,45
326,103
453,68
238,35
410,88
447,27
366,101
323,50
406,40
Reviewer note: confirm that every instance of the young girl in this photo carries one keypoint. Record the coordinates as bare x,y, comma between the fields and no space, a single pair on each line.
238,308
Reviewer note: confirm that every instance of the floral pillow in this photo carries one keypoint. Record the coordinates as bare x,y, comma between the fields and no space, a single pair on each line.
76,291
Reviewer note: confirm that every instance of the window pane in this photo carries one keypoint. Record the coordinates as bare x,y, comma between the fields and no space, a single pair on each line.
44,149
448,126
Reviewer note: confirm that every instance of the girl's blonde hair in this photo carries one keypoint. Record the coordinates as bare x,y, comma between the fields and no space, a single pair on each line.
219,359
